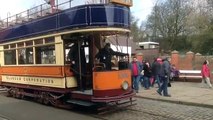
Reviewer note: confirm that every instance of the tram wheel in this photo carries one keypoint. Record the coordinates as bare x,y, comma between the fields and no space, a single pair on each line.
46,98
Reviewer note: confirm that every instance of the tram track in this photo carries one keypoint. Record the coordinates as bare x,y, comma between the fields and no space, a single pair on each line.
128,113
135,112
132,114
152,114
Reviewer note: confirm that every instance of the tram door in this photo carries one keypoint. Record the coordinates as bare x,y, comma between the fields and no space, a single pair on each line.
77,52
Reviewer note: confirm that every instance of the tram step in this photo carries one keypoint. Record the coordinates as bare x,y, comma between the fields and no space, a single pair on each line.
80,102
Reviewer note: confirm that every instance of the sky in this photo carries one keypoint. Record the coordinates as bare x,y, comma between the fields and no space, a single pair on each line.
140,8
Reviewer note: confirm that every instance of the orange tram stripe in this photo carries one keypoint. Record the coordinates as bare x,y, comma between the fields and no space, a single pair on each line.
41,71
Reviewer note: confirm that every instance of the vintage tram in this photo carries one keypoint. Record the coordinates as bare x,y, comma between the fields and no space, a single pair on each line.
34,54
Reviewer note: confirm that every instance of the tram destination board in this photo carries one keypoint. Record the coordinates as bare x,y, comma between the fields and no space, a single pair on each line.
123,2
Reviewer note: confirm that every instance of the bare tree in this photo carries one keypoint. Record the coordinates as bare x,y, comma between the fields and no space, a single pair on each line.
168,20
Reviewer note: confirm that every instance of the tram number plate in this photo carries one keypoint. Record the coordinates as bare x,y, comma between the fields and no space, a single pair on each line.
123,2
123,75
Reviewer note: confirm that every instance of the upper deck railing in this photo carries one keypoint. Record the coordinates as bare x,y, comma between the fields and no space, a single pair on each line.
44,10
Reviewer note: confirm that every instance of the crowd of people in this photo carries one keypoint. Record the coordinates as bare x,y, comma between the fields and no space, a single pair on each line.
160,72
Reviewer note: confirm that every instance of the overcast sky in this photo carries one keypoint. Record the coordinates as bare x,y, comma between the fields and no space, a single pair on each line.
140,9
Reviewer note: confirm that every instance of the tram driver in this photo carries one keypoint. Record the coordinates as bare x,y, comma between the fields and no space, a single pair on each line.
105,54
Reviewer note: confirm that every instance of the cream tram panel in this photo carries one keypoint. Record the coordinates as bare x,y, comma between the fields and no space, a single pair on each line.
1,56
59,50
38,81
71,82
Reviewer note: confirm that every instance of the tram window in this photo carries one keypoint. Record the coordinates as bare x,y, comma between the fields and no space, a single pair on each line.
45,55
10,57
40,41
29,43
49,40
25,56
6,46
21,44
86,50
67,49
13,46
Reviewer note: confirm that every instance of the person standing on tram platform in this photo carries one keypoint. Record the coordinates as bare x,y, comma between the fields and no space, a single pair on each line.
77,57
105,55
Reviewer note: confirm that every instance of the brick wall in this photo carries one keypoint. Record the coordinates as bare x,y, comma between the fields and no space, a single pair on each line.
191,61
188,61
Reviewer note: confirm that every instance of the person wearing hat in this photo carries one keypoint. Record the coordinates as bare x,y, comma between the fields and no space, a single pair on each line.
105,54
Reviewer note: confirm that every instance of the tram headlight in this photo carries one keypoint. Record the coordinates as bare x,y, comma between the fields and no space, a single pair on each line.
125,85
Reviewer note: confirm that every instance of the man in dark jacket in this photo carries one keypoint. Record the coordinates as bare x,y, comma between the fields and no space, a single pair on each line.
105,55
164,76
147,75
156,66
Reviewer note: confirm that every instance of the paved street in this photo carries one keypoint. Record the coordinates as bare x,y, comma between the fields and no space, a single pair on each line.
184,93
15,109
189,101
157,110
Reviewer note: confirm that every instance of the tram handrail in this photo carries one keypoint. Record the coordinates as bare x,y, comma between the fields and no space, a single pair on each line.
99,66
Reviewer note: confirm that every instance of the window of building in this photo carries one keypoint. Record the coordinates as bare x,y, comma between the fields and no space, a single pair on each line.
45,54
10,57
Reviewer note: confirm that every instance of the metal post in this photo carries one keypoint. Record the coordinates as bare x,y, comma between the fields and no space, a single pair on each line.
127,46
79,57
28,14
41,9
56,4
8,15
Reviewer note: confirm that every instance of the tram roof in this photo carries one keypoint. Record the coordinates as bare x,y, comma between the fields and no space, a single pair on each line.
79,17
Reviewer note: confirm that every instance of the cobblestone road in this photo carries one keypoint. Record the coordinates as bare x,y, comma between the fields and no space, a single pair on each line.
156,110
